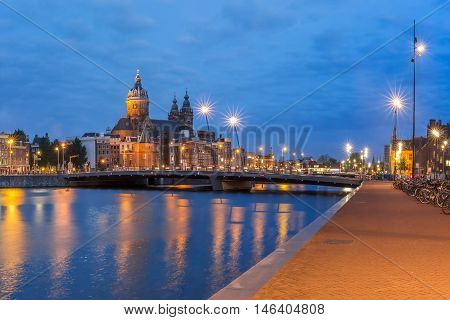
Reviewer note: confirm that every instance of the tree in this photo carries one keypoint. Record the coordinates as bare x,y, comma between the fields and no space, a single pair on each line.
327,160
20,135
77,149
355,161
47,157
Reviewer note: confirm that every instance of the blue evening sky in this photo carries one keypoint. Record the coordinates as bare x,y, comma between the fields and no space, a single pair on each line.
262,56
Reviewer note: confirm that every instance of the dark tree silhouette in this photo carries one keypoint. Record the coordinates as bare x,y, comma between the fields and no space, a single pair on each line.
77,149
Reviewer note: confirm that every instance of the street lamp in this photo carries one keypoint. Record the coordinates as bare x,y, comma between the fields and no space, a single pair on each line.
396,102
419,49
57,150
234,121
10,143
204,109
436,134
261,160
63,146
283,150
348,150
365,155
35,156
181,157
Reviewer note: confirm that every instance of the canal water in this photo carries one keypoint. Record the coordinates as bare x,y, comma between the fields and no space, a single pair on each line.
141,244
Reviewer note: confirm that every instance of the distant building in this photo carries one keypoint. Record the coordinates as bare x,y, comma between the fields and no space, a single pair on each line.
138,127
430,152
191,154
387,158
102,150
14,155
238,158
222,153
401,157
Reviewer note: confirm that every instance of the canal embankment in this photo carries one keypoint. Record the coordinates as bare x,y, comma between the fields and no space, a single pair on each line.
33,181
382,244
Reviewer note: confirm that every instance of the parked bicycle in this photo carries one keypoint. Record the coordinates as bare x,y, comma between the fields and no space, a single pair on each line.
435,192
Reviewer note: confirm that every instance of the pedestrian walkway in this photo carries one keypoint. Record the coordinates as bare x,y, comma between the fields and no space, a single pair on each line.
381,245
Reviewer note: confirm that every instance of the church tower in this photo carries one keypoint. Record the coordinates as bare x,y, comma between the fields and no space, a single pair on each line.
137,101
174,114
186,116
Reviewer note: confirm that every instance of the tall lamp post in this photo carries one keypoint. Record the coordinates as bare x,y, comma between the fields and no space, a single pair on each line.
261,149
396,102
419,49
282,156
10,143
205,109
436,134
348,149
233,121
37,154
57,150
182,156
365,154
63,146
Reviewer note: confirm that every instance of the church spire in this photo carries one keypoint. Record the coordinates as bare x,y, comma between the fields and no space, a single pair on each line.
186,102
186,115
174,114
137,80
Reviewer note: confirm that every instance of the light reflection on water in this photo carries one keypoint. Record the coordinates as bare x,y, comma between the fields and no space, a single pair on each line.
134,244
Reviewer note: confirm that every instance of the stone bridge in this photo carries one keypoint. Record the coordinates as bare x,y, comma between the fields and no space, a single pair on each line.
218,180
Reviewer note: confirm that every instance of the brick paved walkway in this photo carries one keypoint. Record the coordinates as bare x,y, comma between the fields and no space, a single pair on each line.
401,251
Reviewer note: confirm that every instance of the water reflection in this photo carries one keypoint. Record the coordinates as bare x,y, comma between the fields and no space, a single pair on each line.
63,238
219,214
124,245
259,221
13,242
237,215
113,244
178,213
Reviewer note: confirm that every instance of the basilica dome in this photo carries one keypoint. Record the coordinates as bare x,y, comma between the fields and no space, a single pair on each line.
137,101
137,91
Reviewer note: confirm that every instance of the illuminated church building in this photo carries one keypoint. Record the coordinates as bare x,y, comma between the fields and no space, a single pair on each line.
138,127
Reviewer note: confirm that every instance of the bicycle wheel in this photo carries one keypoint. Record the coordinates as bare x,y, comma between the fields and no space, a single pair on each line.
446,205
424,196
440,199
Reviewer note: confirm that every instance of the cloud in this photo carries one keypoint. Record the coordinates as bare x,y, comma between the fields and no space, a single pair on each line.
187,39
259,54
252,16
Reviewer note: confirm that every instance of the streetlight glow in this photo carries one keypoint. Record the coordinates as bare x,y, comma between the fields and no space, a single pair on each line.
396,100
420,48
348,148
436,133
205,107
233,119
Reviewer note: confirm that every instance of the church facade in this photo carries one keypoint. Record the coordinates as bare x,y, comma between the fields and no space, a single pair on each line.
139,129
138,142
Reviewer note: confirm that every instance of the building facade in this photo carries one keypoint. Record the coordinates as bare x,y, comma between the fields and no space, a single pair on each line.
431,152
14,155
